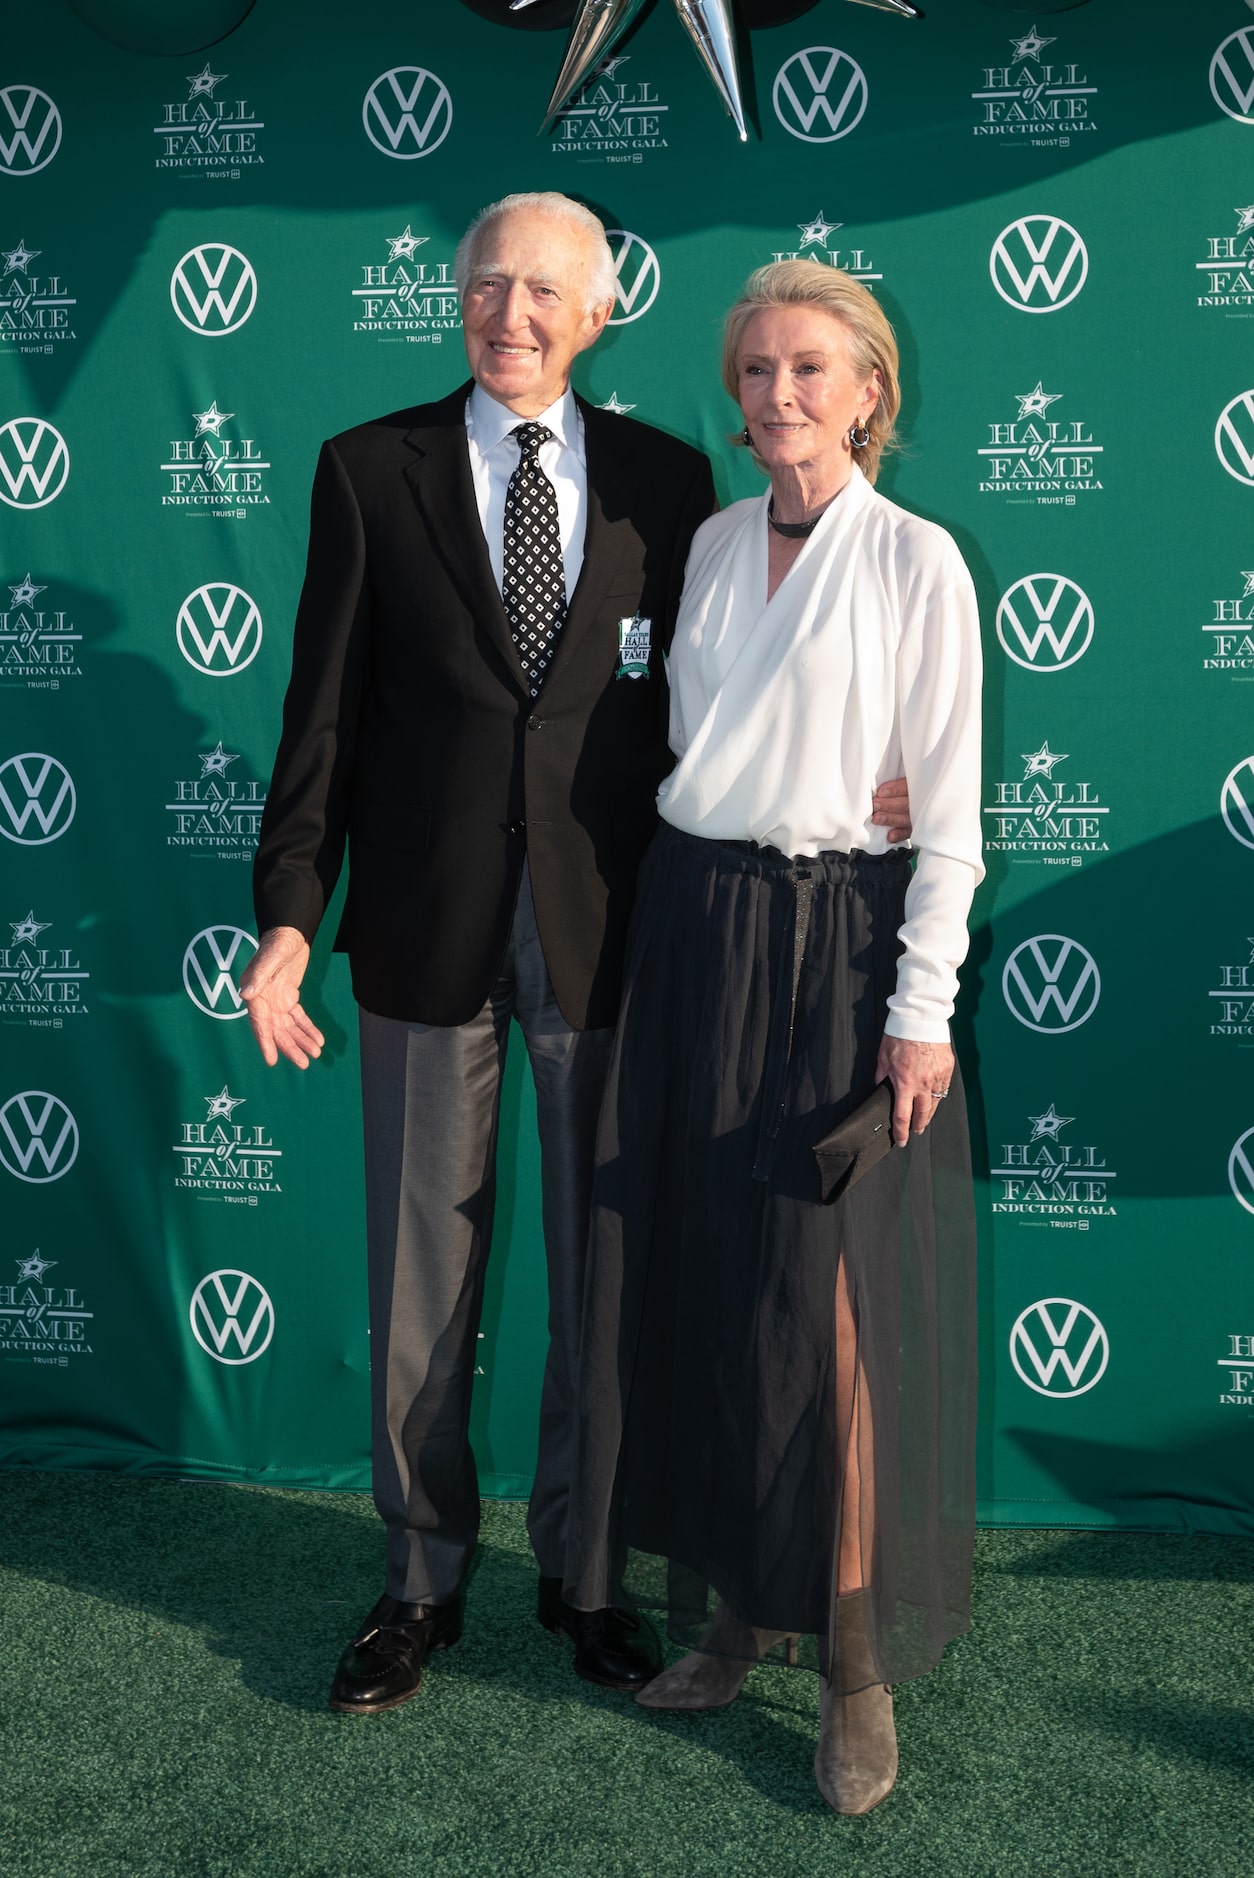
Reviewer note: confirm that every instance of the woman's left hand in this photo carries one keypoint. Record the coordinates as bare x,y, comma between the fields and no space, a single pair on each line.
919,1073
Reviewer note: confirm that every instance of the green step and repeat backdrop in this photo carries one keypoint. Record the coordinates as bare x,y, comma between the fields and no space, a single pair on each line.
209,263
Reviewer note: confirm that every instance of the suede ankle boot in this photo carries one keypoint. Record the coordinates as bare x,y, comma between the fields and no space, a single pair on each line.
856,1763
700,1680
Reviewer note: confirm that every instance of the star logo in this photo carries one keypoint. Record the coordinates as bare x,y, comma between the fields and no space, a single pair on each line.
1245,221
1031,45
34,1267
1036,403
222,1107
404,247
211,420
17,260
615,404
26,931
814,234
1040,762
1247,575
204,83
608,67
25,591
1048,1124
214,762
1249,940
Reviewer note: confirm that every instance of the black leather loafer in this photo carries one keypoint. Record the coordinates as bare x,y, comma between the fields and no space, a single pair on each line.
382,1666
613,1647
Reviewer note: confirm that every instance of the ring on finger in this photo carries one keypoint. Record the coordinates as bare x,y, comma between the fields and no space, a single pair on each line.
938,1095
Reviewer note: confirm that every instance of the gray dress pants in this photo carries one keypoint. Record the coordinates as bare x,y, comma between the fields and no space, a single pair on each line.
430,1100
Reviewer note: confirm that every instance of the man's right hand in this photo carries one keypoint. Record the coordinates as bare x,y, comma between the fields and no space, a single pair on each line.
270,989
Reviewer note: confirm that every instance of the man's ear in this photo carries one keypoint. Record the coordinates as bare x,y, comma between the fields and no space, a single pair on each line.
594,325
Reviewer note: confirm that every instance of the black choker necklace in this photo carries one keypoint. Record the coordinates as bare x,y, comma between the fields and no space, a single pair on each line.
791,531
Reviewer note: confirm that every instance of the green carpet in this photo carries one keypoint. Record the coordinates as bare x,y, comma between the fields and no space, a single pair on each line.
167,1646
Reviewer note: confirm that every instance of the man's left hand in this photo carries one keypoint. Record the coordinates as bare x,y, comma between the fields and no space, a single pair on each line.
920,1074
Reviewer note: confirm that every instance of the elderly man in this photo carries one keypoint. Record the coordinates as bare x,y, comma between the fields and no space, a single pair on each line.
477,705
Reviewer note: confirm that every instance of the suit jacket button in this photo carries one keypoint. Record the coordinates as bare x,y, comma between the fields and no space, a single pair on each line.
516,828
535,723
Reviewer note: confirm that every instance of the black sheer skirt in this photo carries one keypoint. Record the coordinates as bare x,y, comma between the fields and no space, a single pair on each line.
730,1445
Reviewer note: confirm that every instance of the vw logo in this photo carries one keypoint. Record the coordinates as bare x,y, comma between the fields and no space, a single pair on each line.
30,130
1058,1335
1051,975
209,970
1241,1170
407,112
1234,436
219,629
822,86
232,1310
37,1131
637,276
36,794
1236,802
1232,75
213,289
1045,622
34,463
1034,259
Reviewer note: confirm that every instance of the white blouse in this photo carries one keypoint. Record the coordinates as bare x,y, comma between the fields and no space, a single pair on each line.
786,714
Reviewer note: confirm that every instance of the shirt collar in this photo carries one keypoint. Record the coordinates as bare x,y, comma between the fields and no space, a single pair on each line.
490,423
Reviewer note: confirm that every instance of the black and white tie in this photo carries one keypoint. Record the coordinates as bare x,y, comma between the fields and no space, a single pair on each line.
533,585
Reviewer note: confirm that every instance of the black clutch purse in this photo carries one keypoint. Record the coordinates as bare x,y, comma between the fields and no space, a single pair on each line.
856,1144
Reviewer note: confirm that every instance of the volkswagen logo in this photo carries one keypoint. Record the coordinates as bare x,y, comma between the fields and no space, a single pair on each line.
1045,622
1236,802
37,799
30,130
1234,437
821,87
219,629
34,463
209,970
1241,1170
37,1131
637,276
1051,984
1038,264
1058,1347
231,1310
1232,75
213,289
407,112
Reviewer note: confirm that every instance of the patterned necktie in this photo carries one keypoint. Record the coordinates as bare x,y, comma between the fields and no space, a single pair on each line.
533,586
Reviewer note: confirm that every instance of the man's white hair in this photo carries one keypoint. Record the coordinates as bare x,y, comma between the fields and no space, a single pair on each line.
602,277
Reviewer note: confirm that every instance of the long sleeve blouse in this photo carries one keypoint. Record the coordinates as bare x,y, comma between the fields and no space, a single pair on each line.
786,714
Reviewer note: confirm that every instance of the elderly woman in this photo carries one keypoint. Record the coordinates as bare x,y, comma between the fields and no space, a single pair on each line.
777,1392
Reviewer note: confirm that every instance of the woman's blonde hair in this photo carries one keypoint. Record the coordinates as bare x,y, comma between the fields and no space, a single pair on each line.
872,347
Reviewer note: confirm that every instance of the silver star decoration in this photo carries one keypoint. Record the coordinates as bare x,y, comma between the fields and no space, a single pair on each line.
1036,403
608,67
404,247
17,260
34,1267
214,762
1048,1124
1249,940
1245,219
1040,762
26,931
614,403
1247,574
211,420
25,591
204,83
815,233
1031,45
221,1107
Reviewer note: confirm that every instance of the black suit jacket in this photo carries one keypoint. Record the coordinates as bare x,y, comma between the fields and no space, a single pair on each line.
408,730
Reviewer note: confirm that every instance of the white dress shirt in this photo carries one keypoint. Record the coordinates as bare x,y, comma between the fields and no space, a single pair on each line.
786,714
494,458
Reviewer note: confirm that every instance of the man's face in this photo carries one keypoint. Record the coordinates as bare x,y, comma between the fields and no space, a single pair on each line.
523,318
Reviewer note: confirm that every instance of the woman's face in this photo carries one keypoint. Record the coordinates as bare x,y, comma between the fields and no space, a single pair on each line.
798,392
